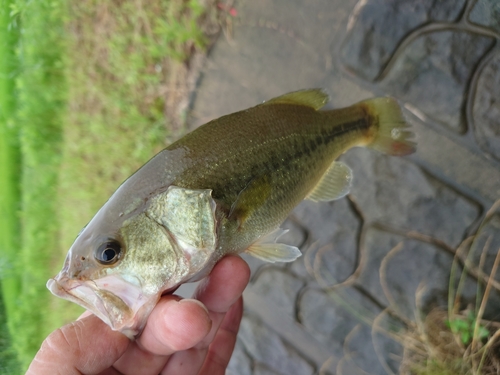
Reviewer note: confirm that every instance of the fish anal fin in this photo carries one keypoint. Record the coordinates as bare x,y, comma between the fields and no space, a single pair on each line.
314,98
268,250
335,183
253,196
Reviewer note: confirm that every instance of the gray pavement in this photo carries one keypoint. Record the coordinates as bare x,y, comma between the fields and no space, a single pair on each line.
376,259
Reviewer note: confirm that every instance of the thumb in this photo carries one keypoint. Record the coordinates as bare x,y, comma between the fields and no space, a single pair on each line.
87,346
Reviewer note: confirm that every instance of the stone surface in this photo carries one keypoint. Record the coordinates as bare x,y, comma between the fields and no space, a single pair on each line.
416,276
269,51
377,27
266,347
486,109
342,320
432,73
396,192
465,167
240,363
261,369
280,286
331,247
486,13
486,245
332,316
371,357
401,279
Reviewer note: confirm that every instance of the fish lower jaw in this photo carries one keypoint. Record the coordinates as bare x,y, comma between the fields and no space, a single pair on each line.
122,308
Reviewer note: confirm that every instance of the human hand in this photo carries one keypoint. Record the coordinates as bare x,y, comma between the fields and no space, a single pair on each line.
190,336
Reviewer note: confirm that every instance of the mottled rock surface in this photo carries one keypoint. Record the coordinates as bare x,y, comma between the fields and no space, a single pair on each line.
396,192
486,110
486,246
433,71
486,13
275,354
378,27
280,286
332,242
391,258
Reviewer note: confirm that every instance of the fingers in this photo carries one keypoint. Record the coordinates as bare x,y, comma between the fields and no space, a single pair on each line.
221,290
220,350
173,325
225,284
183,327
218,292
87,346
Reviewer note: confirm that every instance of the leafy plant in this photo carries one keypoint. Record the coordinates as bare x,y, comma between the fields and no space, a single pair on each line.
464,328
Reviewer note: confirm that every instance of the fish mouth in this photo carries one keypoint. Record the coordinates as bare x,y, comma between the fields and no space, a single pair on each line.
120,304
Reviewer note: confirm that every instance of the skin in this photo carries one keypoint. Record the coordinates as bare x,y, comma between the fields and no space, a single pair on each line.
188,336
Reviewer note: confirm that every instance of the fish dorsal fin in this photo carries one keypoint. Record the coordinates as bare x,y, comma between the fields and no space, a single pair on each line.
314,98
189,216
267,249
335,183
253,196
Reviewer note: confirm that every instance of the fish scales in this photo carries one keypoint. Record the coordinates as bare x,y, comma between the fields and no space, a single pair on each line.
292,144
224,188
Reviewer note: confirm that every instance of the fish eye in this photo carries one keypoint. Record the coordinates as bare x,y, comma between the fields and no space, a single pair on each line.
108,252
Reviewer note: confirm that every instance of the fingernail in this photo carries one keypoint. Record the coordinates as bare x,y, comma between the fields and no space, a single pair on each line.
194,301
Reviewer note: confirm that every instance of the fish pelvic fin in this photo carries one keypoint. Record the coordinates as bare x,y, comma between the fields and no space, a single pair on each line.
267,249
314,98
392,134
335,183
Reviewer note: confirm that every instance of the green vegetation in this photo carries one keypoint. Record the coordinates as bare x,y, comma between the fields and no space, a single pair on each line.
84,94
9,189
456,341
40,93
464,328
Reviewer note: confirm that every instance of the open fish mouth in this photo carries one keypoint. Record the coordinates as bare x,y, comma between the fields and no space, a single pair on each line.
120,304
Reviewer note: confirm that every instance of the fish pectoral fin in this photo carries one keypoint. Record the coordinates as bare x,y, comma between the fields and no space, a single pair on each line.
335,183
314,98
188,214
267,249
253,196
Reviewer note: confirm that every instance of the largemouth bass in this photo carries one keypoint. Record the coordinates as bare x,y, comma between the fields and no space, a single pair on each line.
222,189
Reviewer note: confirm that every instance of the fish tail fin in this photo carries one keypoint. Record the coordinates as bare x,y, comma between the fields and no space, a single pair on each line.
393,134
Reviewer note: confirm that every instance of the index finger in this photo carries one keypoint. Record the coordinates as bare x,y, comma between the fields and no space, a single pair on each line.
218,292
221,290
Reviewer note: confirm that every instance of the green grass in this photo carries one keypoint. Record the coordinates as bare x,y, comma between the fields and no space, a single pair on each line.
86,107
41,92
9,189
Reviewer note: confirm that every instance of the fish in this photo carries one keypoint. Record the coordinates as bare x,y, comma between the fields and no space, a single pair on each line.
225,188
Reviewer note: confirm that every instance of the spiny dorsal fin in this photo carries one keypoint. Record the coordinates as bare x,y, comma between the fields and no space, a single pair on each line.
314,98
335,183
267,249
